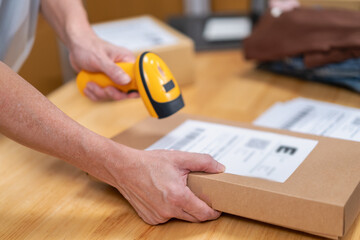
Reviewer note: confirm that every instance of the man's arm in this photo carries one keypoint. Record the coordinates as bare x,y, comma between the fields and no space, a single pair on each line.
154,182
87,50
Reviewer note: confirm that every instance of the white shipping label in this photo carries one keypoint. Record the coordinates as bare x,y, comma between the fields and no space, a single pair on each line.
313,117
243,151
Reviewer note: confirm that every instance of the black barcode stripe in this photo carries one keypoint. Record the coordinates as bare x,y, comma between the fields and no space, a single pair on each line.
187,139
297,118
257,143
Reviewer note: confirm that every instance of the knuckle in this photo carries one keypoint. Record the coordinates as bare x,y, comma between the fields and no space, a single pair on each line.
207,215
165,215
208,157
150,222
154,220
162,220
176,196
202,218
146,218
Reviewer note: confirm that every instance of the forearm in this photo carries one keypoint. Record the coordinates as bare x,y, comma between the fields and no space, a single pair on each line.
68,18
29,118
154,182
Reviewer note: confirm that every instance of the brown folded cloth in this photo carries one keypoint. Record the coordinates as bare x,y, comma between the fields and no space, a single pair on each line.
322,36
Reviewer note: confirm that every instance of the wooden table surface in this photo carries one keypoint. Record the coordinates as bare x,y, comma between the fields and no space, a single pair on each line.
42,197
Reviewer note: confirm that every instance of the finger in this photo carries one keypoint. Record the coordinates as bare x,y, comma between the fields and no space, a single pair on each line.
97,91
198,208
133,95
115,73
129,58
120,54
148,213
200,162
90,95
114,93
186,217
123,55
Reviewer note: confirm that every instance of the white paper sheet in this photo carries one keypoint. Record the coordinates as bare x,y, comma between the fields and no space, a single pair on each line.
313,117
227,28
243,151
135,34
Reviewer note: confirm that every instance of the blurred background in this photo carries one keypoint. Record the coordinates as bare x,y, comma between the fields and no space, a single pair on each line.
43,69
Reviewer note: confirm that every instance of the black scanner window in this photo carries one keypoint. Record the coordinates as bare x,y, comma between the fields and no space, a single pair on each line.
169,85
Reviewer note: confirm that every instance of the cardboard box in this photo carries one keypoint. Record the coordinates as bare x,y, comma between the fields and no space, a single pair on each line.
176,49
321,197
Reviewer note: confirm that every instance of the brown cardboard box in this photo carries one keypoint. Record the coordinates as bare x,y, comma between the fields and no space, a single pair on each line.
321,197
178,56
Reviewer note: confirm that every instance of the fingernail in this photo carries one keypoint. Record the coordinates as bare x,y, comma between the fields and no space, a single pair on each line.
220,167
125,78
129,59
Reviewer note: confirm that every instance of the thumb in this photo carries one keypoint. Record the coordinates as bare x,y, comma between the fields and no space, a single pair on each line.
201,162
116,73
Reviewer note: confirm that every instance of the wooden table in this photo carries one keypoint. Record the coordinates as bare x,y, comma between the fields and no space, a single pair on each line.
42,197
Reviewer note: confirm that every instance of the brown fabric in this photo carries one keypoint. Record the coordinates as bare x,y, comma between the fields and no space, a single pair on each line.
315,59
322,35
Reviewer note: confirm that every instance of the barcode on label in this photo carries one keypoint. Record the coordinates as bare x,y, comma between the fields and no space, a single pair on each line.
257,143
297,118
191,136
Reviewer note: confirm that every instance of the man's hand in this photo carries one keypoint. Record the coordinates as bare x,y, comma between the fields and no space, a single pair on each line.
95,55
155,184
87,50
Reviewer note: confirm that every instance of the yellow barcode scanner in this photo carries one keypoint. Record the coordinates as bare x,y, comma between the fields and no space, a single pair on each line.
151,77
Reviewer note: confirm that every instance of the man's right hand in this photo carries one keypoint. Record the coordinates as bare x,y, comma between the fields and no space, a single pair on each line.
96,55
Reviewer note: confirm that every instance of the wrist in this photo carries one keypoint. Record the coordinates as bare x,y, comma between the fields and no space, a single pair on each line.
112,162
94,154
79,35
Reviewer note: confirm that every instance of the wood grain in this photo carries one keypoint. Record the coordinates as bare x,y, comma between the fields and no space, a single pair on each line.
42,197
